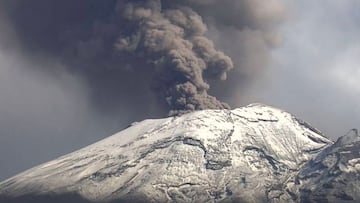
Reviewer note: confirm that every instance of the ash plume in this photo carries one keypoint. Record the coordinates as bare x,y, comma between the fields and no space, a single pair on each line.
173,43
158,54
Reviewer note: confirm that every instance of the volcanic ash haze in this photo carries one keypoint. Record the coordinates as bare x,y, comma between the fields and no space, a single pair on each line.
122,48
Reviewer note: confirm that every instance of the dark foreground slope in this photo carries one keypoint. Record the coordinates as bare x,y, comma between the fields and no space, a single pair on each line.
334,176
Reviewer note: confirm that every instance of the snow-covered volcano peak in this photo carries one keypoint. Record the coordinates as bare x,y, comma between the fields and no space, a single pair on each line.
247,153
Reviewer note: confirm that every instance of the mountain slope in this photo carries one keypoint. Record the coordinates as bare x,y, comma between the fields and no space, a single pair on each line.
334,176
247,154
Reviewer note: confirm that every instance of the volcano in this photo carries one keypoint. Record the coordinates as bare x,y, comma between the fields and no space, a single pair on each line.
255,153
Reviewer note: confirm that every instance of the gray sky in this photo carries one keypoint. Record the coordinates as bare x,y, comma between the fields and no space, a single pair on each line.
313,74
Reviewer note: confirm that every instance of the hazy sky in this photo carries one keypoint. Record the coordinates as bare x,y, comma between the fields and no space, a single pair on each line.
312,72
316,72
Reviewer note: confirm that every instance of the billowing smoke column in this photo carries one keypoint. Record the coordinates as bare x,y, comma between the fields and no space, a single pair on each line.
173,43
129,51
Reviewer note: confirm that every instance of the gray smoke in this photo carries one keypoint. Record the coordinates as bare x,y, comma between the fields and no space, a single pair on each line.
126,49
247,31
170,43
174,45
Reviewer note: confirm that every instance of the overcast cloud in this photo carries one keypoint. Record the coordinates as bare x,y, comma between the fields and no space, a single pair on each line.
301,56
315,74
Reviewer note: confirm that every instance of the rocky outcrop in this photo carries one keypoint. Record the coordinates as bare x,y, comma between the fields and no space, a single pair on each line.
334,175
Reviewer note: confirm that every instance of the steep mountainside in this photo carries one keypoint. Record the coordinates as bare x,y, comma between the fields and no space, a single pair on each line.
251,154
334,176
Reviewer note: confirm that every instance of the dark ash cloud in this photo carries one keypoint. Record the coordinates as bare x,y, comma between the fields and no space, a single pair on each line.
174,45
152,45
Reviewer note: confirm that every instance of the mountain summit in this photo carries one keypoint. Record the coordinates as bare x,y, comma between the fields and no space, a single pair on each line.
252,154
